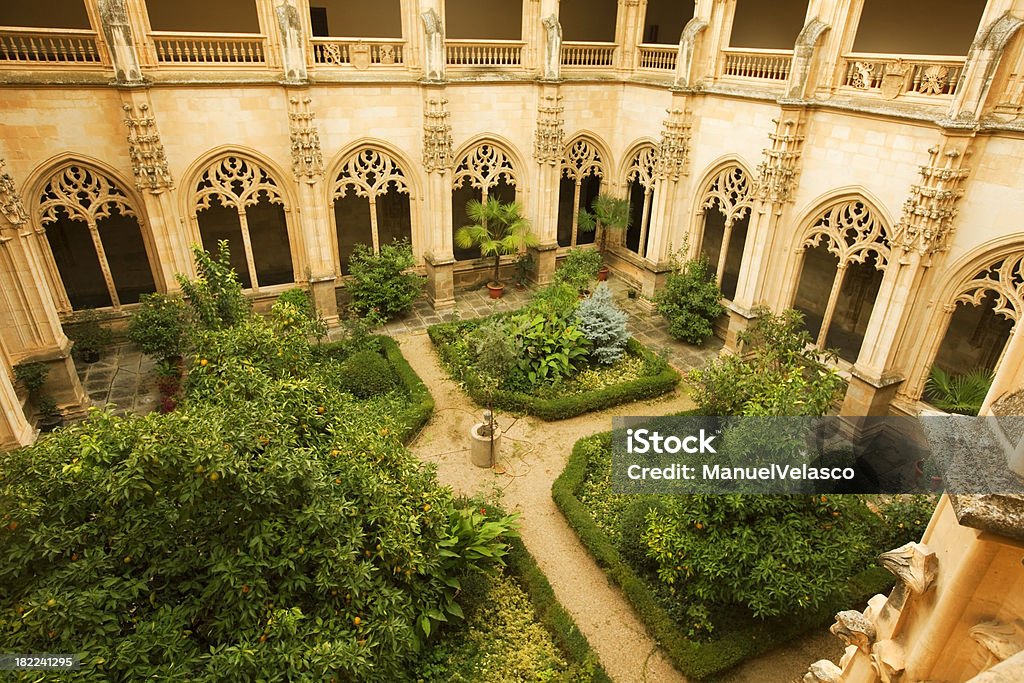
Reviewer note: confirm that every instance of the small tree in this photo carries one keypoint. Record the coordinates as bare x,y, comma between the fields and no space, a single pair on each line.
498,229
579,268
690,302
160,326
609,214
603,325
216,294
382,284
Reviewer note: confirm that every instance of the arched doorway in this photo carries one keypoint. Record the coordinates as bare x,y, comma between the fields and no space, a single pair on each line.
371,203
725,212
485,172
579,185
640,186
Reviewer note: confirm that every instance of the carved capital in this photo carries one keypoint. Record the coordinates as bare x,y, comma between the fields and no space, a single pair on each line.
853,628
437,136
674,147
307,159
11,206
926,225
146,151
914,564
548,141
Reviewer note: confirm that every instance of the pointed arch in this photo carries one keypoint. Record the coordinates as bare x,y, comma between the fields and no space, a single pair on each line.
485,168
639,177
584,166
97,249
238,195
723,218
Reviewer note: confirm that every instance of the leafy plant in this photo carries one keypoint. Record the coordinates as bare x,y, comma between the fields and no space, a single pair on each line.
603,325
963,394
216,294
690,302
498,229
551,349
524,268
366,374
579,268
32,376
47,407
88,332
381,284
496,353
160,326
781,373
609,214
294,310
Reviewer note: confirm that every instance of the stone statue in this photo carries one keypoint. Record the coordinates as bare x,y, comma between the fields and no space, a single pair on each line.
552,47
292,48
434,30
118,32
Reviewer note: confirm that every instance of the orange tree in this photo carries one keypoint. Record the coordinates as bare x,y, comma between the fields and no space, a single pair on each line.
274,527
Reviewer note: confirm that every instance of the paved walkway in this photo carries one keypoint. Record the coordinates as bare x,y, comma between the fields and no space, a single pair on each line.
123,376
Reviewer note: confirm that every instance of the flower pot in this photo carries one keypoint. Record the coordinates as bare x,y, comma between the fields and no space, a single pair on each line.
48,423
495,289
602,274
89,355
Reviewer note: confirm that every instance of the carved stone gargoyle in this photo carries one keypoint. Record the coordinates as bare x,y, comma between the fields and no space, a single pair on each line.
999,641
853,628
823,671
915,564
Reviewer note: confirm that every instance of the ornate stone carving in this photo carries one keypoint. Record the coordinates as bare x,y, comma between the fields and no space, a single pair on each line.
1005,280
852,233
823,671
236,182
548,138
863,77
581,159
483,167
914,564
84,194
370,173
433,31
999,641
437,136
11,206
894,78
927,219
853,628
149,162
117,30
293,43
674,147
684,76
888,660
803,57
729,194
552,47
777,173
642,167
307,159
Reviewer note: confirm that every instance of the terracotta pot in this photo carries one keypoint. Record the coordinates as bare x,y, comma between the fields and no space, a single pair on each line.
495,289
50,422
602,274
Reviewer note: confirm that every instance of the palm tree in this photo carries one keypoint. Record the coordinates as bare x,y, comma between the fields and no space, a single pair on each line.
609,213
498,229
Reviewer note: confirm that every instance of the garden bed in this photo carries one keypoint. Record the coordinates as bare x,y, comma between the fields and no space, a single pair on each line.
639,374
580,493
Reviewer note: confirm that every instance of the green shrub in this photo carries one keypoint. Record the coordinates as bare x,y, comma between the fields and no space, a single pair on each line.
32,376
963,394
551,349
380,283
216,294
579,268
366,374
603,325
88,332
294,310
557,300
160,326
690,302
632,526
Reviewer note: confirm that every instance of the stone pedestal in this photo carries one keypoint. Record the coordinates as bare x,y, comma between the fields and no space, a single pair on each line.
739,320
325,297
653,278
870,396
440,282
544,257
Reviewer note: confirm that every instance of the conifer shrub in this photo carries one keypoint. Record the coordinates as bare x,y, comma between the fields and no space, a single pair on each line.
603,325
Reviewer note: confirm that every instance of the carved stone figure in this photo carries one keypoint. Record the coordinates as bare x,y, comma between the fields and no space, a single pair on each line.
552,47
292,43
118,32
853,628
687,46
434,30
914,564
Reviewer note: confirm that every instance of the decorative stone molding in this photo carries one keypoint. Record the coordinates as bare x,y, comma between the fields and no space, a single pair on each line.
888,660
307,159
1005,280
642,167
548,140
236,182
729,193
437,136
580,160
998,640
674,148
851,232
823,671
484,167
777,173
915,564
145,149
370,173
11,205
853,628
927,220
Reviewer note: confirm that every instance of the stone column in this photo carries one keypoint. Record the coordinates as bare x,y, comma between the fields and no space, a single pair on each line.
437,207
1010,373
629,33
15,430
829,33
30,328
119,36
919,242
548,148
291,39
308,170
777,178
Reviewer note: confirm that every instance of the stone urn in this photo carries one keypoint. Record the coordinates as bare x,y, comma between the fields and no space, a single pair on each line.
484,449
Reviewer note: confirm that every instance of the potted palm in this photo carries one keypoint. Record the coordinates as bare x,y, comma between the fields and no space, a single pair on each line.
499,230
611,215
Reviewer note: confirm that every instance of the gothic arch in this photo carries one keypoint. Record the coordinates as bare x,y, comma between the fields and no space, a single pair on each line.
638,176
372,174
849,228
723,212
233,181
485,167
90,269
583,170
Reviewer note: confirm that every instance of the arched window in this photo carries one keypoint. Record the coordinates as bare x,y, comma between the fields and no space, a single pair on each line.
725,206
239,201
484,172
371,203
579,185
845,252
640,182
95,239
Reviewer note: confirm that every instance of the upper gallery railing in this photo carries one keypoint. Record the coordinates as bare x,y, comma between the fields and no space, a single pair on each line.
892,76
49,46
657,57
215,49
588,55
358,52
757,64
500,53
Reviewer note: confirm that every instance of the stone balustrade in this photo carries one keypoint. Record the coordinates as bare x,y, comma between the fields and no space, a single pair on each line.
588,55
751,64
212,49
892,76
31,47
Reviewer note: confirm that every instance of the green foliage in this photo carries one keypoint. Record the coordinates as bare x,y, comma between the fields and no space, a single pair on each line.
273,527
963,394
579,268
498,229
779,375
603,325
160,326
905,519
32,376
216,294
496,353
609,213
551,350
557,300
524,268
382,284
47,407
366,374
294,310
690,302
88,332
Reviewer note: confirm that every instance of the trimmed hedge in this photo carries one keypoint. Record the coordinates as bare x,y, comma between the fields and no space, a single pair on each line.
693,659
561,407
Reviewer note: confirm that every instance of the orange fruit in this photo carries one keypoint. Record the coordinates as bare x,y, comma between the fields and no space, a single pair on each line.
204,362
357,621
245,588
